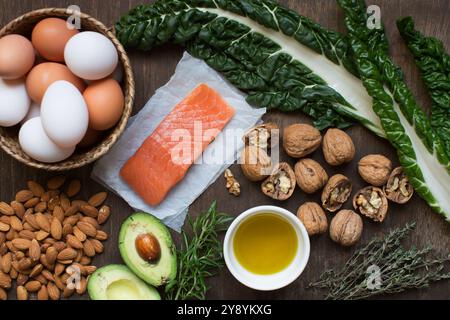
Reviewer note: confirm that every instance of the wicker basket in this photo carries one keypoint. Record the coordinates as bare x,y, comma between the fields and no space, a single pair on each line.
9,136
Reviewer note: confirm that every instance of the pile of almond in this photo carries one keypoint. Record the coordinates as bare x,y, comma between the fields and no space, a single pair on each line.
48,240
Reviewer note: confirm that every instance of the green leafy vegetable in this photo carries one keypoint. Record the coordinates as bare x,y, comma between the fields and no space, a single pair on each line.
383,266
434,63
419,148
200,255
280,58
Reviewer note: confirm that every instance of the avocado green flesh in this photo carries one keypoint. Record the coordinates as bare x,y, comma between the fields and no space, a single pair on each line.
159,272
117,282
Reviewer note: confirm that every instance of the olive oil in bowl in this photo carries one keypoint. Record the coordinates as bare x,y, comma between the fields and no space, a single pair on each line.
265,244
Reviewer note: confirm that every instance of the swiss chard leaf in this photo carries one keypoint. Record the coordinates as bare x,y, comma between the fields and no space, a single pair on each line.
407,127
280,58
434,64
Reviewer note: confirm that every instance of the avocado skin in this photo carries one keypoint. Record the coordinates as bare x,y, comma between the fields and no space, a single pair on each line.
160,273
115,272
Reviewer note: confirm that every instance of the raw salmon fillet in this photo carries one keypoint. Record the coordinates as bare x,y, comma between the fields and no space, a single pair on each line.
161,161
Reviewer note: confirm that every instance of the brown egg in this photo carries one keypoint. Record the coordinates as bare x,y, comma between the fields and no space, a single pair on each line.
50,36
44,74
90,138
105,102
16,56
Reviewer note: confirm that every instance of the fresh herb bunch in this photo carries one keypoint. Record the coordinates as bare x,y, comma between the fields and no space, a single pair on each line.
400,269
200,255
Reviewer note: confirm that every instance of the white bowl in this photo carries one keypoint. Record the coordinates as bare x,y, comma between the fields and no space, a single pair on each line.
273,281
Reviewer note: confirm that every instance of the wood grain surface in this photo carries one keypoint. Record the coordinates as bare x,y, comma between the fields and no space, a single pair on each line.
152,70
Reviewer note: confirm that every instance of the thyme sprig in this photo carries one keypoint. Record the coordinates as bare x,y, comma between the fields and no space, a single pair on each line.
200,255
399,269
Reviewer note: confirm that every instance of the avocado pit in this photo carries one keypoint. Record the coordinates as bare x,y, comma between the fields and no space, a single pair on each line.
148,247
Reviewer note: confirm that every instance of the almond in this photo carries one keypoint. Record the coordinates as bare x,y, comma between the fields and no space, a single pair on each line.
53,291
97,199
19,255
79,203
27,234
13,273
36,270
34,252
73,209
103,214
42,294
21,244
53,202
33,286
81,289
2,238
56,182
15,223
87,270
91,221
43,260
51,254
85,260
87,228
3,295
101,235
5,281
5,219
36,188
40,207
31,219
68,292
11,234
60,283
31,203
22,293
24,196
19,209
73,188
74,242
79,234
41,235
88,248
64,201
6,209
89,211
49,241
67,254
56,229
43,222
67,229
4,227
59,246
5,262
98,246
48,275
21,279
24,264
59,268
58,213
41,279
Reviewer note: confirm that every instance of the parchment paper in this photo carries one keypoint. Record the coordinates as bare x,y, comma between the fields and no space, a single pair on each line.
220,154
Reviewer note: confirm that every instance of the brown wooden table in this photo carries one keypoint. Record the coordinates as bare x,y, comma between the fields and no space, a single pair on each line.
154,69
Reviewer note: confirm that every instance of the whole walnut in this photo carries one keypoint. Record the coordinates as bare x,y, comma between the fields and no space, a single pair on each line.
255,163
300,140
346,228
375,169
338,147
310,175
313,218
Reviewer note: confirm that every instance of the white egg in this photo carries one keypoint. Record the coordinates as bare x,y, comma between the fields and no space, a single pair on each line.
91,55
64,114
33,112
14,102
35,142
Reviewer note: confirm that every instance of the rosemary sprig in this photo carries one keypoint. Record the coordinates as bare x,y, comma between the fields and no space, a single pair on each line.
399,269
200,255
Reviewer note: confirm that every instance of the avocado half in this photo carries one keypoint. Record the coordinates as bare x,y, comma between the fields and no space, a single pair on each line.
117,282
158,271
